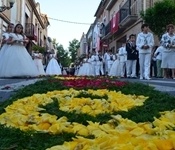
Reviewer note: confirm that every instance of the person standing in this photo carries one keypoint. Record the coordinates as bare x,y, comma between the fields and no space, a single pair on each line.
38,59
5,38
53,68
123,58
110,59
17,62
101,59
106,62
92,61
97,64
145,43
158,56
132,55
168,55
115,69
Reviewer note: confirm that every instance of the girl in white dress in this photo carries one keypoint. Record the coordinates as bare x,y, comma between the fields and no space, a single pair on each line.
53,68
86,68
17,62
110,60
5,37
115,69
38,57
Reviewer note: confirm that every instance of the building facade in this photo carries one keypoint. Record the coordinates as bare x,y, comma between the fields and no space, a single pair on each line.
35,23
118,19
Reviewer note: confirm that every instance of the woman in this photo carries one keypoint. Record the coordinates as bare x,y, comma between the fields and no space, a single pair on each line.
168,55
17,62
38,58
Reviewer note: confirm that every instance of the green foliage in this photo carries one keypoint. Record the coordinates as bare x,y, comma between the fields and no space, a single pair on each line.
74,45
159,16
38,48
53,109
62,54
15,139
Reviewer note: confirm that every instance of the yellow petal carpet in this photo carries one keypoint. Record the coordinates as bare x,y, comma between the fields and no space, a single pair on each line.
116,134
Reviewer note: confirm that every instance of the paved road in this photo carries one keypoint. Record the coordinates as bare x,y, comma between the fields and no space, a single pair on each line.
7,86
164,85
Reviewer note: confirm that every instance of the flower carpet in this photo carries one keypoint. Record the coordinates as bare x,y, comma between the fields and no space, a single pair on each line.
86,113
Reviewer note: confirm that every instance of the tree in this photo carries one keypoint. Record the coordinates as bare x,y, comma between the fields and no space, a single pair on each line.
159,16
38,48
62,54
74,45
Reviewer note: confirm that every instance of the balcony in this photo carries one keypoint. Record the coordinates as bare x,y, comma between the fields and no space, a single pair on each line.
30,31
128,13
107,31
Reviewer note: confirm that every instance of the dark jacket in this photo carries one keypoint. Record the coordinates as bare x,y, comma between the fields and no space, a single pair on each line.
132,53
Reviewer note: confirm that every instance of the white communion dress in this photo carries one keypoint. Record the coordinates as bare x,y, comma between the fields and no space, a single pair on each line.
86,68
4,46
53,68
38,63
17,62
115,68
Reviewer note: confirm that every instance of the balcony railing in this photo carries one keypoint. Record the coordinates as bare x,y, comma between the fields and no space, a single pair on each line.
30,31
129,12
136,7
108,28
125,10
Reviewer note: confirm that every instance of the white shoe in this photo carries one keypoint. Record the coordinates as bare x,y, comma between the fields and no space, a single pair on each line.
141,78
147,78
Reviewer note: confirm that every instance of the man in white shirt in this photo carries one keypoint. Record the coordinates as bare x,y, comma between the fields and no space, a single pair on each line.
145,43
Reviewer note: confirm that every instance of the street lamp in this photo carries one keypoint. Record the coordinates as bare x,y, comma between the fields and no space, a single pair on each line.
3,8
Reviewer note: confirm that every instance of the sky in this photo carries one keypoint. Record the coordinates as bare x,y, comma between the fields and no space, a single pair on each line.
82,11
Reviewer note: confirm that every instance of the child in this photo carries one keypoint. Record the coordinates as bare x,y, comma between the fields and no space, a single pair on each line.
5,37
17,62
53,68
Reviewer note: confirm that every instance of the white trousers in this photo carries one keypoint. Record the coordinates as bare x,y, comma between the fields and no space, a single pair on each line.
106,66
145,63
122,68
131,68
110,62
93,68
101,68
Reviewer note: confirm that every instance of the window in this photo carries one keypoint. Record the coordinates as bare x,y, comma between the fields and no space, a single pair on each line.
151,3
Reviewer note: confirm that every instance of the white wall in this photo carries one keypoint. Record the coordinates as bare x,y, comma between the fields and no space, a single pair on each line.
14,12
23,12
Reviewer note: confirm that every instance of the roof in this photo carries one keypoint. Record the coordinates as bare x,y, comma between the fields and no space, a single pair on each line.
102,3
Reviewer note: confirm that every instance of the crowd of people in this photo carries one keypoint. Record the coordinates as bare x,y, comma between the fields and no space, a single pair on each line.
15,60
138,57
